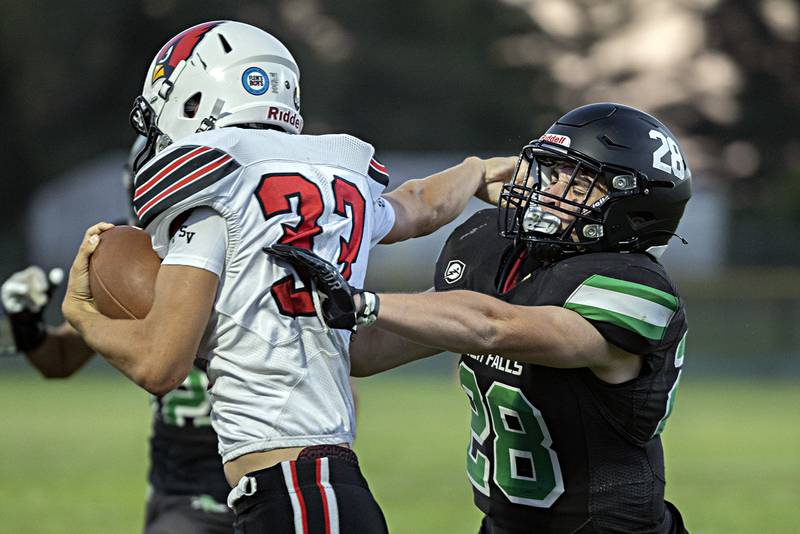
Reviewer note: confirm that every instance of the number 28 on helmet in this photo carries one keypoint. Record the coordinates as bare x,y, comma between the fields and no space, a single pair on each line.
604,177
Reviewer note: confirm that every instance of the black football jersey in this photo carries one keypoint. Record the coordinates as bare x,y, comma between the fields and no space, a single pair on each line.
559,450
184,459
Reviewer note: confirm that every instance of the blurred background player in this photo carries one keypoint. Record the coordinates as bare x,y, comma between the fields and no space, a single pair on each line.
572,335
225,162
187,487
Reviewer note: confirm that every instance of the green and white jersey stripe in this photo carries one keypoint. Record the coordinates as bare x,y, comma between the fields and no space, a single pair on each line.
639,308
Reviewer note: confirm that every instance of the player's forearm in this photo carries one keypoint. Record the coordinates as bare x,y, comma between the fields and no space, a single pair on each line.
473,323
61,354
438,199
134,348
457,321
446,194
373,350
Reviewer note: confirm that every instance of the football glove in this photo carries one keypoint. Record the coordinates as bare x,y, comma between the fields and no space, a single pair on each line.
24,296
342,306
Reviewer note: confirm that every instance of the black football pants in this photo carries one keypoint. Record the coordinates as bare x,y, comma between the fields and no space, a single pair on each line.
673,524
326,495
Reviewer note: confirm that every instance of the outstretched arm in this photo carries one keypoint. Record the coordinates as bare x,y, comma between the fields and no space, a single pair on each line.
469,322
423,206
373,350
412,327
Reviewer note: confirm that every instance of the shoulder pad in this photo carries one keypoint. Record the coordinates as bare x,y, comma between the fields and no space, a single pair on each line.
177,174
467,249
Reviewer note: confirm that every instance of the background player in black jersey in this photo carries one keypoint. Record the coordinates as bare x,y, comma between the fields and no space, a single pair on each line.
572,335
187,486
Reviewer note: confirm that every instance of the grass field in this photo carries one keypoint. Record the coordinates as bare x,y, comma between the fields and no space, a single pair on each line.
73,455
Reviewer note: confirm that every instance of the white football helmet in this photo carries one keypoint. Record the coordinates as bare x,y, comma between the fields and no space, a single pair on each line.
216,74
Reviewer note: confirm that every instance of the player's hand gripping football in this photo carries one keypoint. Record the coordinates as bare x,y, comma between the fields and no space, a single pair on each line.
342,306
79,295
498,171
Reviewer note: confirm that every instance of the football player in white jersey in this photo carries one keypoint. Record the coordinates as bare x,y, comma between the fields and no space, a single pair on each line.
225,173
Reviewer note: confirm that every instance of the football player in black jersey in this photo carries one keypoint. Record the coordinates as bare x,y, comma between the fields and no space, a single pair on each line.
188,489
571,333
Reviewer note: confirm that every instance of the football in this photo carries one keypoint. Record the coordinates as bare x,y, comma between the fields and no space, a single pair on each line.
122,273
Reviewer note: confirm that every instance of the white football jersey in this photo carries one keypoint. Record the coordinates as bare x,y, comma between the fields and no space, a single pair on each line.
279,376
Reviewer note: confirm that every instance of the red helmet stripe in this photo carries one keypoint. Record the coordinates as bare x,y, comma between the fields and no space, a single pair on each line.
179,48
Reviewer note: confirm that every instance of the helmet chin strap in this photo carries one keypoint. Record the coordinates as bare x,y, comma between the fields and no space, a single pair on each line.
546,252
210,122
673,234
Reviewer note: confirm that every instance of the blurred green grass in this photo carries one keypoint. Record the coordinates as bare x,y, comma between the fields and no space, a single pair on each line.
73,454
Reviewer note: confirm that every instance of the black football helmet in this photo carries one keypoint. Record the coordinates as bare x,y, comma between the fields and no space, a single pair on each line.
628,155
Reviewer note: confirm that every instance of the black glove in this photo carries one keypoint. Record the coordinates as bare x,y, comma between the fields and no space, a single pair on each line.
340,307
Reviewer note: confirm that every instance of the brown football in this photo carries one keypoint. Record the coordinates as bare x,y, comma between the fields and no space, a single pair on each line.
122,273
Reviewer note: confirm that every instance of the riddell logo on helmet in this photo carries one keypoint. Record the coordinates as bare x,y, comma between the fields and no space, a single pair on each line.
556,139
600,201
289,117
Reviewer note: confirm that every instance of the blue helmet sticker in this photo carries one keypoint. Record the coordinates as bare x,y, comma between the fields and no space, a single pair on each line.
255,81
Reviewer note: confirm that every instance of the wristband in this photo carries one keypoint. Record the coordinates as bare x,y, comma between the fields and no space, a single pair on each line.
28,329
367,312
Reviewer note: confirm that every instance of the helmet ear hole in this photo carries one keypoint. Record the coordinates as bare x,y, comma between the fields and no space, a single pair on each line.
191,105
640,219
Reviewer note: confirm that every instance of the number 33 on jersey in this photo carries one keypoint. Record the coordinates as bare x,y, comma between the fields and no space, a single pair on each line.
277,193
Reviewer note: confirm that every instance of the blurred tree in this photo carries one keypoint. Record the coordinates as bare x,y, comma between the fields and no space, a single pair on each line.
762,148
422,76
